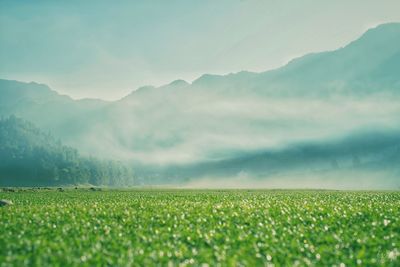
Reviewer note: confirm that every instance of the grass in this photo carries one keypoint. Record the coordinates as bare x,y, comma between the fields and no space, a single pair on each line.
189,227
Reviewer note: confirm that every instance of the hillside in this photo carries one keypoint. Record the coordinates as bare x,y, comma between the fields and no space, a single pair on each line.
367,65
47,109
29,157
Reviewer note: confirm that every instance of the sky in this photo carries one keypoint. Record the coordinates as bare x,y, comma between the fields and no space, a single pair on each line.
106,49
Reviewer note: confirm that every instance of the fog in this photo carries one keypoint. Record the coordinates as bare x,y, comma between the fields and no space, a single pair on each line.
179,129
340,180
209,135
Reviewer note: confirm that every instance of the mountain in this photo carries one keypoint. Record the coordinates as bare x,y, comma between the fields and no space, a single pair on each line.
368,64
221,120
29,157
64,117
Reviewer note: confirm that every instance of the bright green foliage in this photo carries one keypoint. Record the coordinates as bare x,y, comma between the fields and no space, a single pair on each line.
226,228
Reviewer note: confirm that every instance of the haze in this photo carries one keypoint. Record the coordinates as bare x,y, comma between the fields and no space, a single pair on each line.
98,50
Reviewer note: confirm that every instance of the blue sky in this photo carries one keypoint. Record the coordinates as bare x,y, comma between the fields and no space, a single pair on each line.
106,49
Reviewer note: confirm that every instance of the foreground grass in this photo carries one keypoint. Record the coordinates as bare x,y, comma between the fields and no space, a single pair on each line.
228,228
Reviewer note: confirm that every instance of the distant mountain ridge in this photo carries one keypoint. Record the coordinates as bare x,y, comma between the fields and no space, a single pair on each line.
379,45
375,52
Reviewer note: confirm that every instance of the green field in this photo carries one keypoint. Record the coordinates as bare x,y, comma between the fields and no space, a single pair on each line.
199,228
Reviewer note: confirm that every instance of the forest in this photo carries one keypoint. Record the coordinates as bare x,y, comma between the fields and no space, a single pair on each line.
31,157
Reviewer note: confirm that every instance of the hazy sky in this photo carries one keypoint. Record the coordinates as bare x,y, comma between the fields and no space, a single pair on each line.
106,49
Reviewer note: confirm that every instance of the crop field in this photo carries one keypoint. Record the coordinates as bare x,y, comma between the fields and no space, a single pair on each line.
79,227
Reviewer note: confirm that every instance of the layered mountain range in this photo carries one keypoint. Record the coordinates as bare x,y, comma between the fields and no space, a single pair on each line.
330,113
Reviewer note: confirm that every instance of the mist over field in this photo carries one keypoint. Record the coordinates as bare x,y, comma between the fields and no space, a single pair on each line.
336,180
324,120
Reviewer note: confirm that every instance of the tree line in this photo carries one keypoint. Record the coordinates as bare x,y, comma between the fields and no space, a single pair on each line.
31,157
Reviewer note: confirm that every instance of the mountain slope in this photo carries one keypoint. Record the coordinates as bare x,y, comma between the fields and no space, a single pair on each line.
361,67
29,157
63,116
